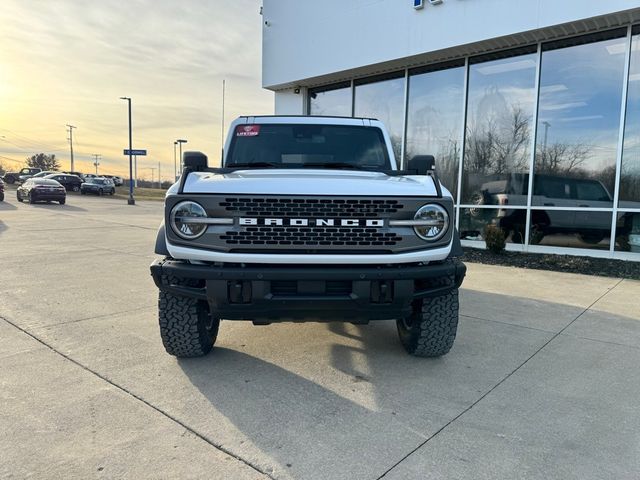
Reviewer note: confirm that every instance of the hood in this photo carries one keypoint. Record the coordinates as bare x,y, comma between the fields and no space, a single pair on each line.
309,182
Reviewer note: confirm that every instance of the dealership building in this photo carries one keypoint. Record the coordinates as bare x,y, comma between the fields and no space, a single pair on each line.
530,107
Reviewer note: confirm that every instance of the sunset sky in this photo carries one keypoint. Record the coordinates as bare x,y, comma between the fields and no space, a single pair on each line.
68,62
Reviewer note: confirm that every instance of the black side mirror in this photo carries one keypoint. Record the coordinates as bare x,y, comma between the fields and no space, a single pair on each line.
422,164
194,161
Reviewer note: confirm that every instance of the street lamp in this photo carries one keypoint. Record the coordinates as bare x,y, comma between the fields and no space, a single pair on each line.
180,142
130,201
175,165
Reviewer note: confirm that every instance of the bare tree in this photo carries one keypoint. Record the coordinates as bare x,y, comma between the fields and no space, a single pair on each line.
562,158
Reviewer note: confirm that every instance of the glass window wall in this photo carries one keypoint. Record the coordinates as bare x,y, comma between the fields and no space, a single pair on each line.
570,228
384,100
334,101
578,122
434,119
500,107
577,133
630,173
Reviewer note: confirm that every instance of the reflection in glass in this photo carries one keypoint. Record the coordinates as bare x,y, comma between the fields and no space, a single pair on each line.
498,132
474,220
383,100
578,120
630,174
628,232
434,120
334,102
570,228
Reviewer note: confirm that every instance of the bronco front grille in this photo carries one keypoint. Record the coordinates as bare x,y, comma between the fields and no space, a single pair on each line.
311,207
311,236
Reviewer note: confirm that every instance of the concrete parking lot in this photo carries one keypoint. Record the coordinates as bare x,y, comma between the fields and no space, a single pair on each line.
543,381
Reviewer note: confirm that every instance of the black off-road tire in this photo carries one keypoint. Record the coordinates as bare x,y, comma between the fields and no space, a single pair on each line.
187,327
431,329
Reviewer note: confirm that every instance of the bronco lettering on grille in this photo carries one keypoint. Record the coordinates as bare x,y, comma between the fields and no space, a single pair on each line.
318,222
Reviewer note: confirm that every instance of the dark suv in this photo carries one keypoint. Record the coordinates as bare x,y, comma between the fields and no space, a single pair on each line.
69,182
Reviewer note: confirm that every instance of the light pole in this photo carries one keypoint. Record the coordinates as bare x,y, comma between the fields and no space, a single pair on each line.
175,164
130,201
180,142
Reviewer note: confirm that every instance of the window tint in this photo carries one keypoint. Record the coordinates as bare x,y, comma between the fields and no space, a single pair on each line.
298,145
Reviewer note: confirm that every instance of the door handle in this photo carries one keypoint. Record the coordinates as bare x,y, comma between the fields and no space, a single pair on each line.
549,204
583,205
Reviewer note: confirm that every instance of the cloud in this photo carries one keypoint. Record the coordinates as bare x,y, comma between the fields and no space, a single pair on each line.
69,62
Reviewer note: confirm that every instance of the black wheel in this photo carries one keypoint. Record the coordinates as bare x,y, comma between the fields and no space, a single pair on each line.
82,192
75,188
536,235
18,197
1,197
10,179
31,199
62,202
113,191
100,192
431,328
591,238
187,327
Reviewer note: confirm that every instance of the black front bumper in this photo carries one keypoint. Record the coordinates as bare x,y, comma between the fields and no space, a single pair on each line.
269,293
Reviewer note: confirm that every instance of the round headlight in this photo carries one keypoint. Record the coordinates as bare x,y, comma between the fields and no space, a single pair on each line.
434,222
184,220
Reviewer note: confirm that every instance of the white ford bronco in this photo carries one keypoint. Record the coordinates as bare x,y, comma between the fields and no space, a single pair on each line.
308,219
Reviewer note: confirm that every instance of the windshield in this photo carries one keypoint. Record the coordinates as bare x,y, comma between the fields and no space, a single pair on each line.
313,146
97,181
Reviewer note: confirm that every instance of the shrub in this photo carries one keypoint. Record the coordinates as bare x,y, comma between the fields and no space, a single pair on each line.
495,238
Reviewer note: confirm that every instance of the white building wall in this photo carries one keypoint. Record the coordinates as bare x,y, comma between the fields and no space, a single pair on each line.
288,102
303,39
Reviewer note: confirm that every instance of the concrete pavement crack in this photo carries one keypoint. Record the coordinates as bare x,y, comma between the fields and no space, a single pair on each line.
140,399
483,396
106,315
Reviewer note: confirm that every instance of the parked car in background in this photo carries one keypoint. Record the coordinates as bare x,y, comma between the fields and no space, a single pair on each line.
13,177
69,182
98,186
117,181
41,190
42,174
77,174
1,190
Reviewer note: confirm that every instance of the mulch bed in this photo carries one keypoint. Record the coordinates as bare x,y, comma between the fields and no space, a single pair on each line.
603,267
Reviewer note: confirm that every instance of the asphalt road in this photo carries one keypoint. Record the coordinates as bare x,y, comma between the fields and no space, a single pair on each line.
543,381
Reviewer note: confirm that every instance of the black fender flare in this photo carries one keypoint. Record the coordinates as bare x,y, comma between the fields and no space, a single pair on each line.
161,242
456,246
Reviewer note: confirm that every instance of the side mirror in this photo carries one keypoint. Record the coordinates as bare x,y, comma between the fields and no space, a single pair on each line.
194,161
422,164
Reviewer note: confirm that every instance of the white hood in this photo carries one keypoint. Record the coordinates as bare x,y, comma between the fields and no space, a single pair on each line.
310,182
